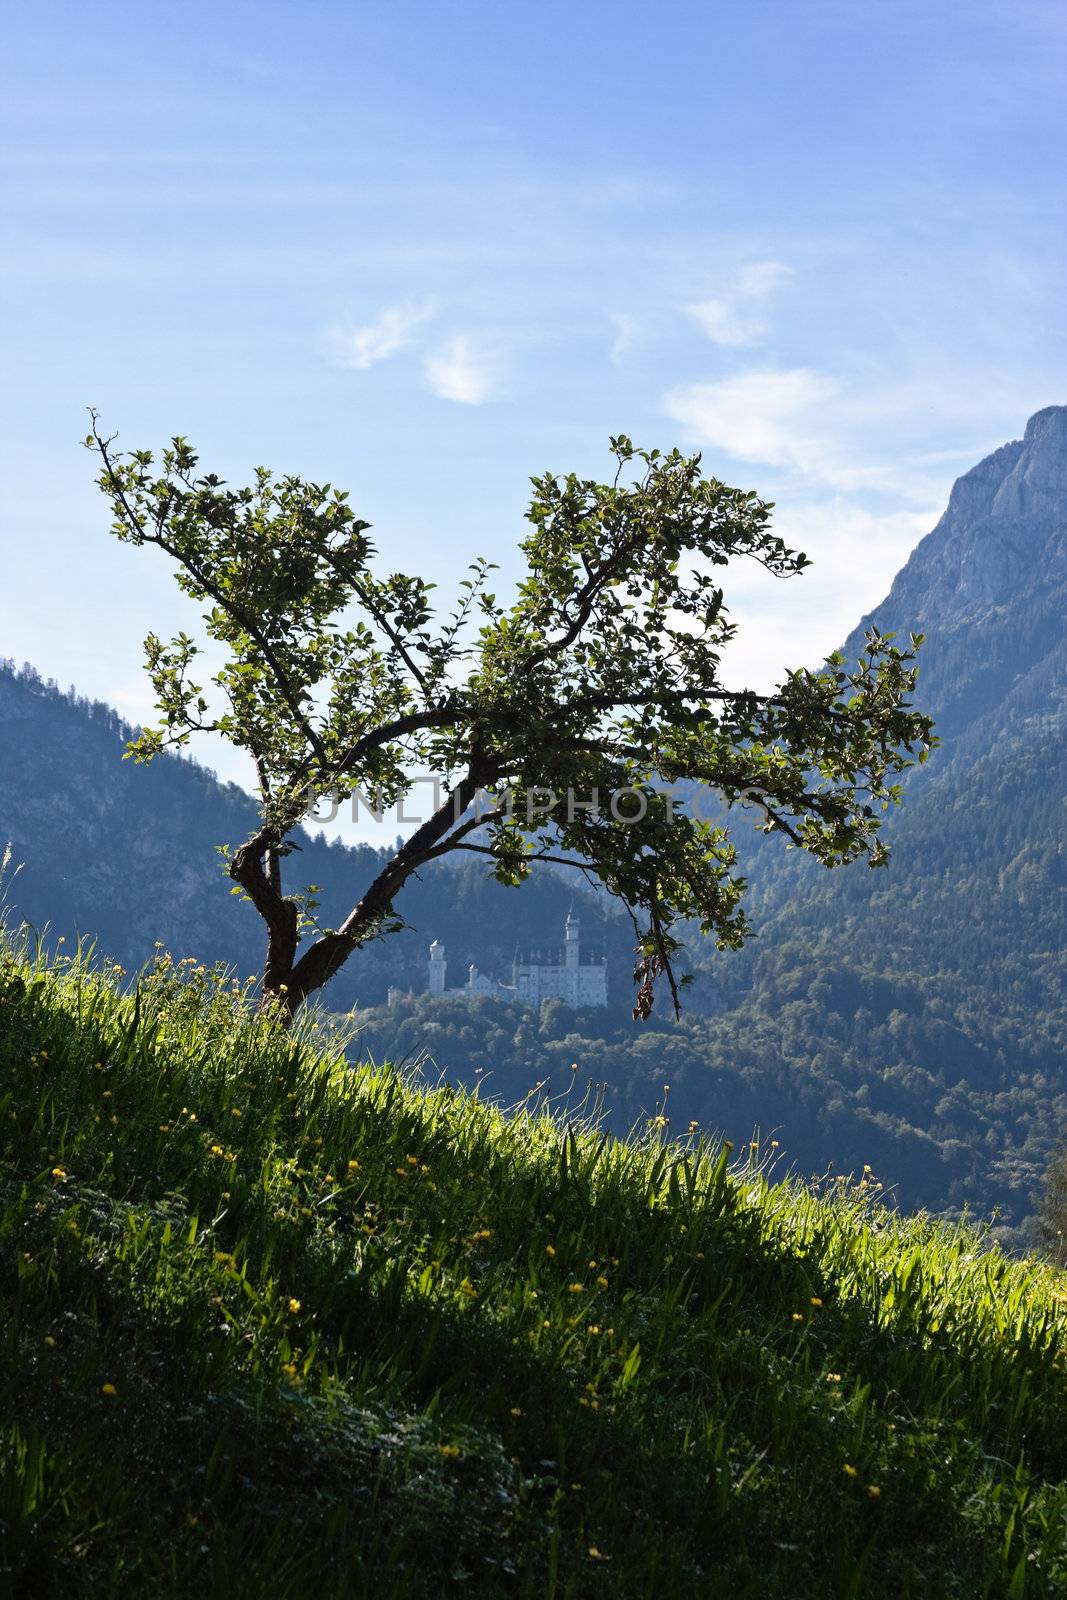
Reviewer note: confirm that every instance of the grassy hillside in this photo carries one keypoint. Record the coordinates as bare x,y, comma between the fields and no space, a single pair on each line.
271,1327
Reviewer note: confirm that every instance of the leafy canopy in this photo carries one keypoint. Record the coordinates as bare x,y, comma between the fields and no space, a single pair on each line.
598,681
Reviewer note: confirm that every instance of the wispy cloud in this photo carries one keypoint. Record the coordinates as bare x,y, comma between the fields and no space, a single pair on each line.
855,551
457,372
824,432
391,330
725,324
762,277
625,335
732,319
798,420
768,416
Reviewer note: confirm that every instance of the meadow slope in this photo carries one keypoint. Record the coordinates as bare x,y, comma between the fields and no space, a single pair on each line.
275,1327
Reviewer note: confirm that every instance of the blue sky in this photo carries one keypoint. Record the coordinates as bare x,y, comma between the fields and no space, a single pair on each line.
426,249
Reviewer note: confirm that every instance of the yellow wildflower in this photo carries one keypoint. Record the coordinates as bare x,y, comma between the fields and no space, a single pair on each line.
59,1172
294,1306
108,1389
850,1471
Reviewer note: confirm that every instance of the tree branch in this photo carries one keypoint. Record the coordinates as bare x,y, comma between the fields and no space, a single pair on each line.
254,633
381,619
322,959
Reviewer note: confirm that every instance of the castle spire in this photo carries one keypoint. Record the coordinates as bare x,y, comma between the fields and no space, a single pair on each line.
571,940
437,968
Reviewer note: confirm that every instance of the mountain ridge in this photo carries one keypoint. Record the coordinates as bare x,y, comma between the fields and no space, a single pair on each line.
1025,479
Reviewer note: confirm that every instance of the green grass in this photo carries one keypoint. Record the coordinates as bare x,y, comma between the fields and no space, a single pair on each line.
366,1337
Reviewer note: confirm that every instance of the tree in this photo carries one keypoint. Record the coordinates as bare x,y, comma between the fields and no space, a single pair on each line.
555,719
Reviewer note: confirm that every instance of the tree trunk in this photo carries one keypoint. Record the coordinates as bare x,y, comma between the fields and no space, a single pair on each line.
263,888
288,982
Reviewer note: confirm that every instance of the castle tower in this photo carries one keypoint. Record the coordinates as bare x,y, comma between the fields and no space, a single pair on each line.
571,933
437,967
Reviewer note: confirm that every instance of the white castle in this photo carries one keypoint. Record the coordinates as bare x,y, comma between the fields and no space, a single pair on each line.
560,976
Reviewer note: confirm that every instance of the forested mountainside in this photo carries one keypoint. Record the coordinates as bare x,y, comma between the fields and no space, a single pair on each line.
912,1018
939,987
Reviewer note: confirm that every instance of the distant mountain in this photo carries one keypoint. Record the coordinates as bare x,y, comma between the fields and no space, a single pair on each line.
913,1018
933,996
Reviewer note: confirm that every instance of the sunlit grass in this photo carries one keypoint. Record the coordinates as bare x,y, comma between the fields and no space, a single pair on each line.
275,1327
